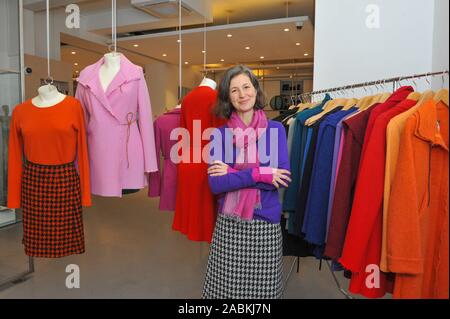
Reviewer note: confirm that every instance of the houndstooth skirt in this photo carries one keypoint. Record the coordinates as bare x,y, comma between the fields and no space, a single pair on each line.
52,212
245,260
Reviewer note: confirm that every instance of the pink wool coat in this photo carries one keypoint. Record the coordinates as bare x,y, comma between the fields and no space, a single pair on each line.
119,129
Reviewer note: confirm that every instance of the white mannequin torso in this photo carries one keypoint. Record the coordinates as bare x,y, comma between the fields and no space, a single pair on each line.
109,69
48,96
208,82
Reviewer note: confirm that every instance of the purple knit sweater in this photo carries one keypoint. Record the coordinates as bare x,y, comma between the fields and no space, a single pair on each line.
275,155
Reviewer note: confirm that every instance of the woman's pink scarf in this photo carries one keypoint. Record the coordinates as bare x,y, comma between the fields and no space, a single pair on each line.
243,202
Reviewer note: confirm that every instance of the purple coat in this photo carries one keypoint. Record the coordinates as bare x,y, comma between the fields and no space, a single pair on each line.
166,186
121,148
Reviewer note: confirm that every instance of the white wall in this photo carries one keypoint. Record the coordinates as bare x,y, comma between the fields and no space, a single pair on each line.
440,41
28,32
348,52
162,81
57,25
4,60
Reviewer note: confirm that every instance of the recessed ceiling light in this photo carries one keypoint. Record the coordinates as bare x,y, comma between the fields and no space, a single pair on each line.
286,30
73,52
77,71
298,43
178,40
262,57
222,60
229,35
164,54
203,51
278,67
306,54
247,48
135,45
186,62
76,64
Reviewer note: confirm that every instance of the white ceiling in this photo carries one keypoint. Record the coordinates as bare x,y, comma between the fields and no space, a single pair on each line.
253,10
270,41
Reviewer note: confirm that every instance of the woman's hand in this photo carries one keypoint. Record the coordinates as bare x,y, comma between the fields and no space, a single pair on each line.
218,168
281,177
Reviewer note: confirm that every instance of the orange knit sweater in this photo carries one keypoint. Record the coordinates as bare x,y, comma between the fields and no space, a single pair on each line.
49,136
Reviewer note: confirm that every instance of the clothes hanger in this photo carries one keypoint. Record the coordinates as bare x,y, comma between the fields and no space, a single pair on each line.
308,105
350,103
365,101
376,97
327,109
336,103
302,105
442,94
385,96
415,96
426,95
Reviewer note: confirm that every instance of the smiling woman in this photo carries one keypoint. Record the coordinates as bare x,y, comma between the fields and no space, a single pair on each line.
245,260
240,91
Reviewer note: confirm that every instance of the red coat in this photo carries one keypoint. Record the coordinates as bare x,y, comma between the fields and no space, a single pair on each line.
195,211
363,239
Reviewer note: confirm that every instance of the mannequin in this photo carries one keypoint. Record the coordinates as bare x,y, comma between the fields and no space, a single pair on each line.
107,73
109,69
208,82
48,96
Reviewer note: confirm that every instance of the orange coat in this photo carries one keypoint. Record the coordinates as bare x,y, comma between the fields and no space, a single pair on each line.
417,225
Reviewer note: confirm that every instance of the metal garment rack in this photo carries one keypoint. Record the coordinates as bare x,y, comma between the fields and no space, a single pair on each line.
395,81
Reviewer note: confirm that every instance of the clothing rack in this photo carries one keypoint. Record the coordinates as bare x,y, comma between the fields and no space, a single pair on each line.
394,81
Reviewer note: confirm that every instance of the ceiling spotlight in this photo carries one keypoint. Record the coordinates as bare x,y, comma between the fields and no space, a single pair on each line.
306,54
278,67
76,64
77,71
203,51
186,62
178,40
73,52
164,55
247,48
261,57
222,60
286,30
229,35
297,44
136,45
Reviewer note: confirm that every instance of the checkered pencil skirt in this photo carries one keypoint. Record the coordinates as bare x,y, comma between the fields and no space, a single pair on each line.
52,212
245,260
